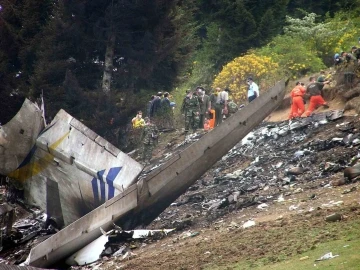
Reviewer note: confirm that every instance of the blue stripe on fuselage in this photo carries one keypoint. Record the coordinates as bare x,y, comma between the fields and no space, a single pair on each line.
110,178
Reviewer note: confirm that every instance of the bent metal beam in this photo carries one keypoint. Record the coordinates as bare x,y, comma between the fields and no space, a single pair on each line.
142,202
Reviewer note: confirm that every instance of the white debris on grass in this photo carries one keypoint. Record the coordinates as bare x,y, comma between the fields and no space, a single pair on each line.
146,233
332,204
248,224
327,256
281,198
262,206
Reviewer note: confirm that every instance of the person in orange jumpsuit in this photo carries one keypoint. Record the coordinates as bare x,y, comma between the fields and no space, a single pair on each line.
314,89
297,102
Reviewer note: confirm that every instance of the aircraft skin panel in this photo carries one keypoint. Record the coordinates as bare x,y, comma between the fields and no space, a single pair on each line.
162,186
18,136
90,154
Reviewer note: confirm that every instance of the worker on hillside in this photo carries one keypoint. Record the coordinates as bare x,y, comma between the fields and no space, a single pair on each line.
191,111
167,116
321,77
221,108
232,107
348,58
205,106
253,90
149,138
137,124
182,109
297,100
138,121
216,109
355,51
315,90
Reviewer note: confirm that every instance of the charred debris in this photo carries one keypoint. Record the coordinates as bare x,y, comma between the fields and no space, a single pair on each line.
274,161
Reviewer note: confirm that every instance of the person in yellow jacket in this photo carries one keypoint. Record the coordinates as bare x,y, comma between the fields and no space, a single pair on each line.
138,121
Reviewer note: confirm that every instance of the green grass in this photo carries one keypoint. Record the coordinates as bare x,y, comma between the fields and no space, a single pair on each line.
349,258
345,242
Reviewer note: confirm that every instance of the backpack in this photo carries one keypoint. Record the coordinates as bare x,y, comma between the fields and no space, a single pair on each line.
232,107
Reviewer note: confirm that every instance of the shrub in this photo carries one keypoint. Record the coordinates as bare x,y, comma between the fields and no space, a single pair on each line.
233,75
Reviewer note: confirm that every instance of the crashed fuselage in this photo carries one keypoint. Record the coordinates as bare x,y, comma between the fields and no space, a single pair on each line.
65,169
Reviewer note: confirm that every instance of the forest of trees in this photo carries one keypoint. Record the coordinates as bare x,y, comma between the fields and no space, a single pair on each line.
103,59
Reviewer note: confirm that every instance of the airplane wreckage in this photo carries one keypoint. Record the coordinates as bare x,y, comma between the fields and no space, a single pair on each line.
86,185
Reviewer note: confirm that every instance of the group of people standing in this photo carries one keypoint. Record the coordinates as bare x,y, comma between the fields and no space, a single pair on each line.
203,111
314,91
200,110
146,130
348,57
160,110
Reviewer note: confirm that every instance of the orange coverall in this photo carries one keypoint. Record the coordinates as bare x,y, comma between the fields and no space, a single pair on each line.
297,105
316,99
314,102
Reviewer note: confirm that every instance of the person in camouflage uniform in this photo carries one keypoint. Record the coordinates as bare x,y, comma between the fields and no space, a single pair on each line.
149,138
205,106
191,110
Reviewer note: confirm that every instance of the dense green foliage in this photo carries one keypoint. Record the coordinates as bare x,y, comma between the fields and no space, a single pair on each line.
61,48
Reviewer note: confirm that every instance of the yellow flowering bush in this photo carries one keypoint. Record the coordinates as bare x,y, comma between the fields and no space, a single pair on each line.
234,74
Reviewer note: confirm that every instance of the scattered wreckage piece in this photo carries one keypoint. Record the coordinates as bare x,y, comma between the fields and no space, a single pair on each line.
7,214
327,256
15,267
89,253
93,251
352,172
142,202
18,237
18,136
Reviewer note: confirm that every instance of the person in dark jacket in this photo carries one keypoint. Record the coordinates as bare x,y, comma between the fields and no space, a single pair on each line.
156,105
149,105
314,89
166,112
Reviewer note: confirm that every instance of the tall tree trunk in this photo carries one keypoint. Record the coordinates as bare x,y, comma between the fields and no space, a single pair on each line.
109,56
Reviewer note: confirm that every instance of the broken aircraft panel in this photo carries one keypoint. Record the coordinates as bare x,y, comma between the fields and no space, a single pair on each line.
140,203
70,170
18,136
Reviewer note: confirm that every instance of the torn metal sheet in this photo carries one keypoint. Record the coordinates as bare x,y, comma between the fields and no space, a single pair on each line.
92,251
137,234
18,136
89,253
335,114
145,200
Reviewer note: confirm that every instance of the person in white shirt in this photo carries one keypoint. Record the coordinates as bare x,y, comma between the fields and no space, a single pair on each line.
222,101
253,91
